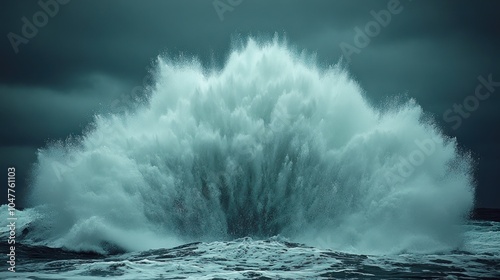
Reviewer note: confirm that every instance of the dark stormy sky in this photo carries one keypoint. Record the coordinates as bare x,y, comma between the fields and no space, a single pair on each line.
87,54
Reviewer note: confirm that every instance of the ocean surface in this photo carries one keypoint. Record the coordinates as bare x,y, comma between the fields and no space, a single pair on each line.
274,166
272,258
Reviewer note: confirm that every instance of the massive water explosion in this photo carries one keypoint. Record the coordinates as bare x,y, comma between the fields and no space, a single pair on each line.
271,144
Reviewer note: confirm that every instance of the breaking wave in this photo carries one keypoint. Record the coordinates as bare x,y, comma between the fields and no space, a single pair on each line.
271,144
